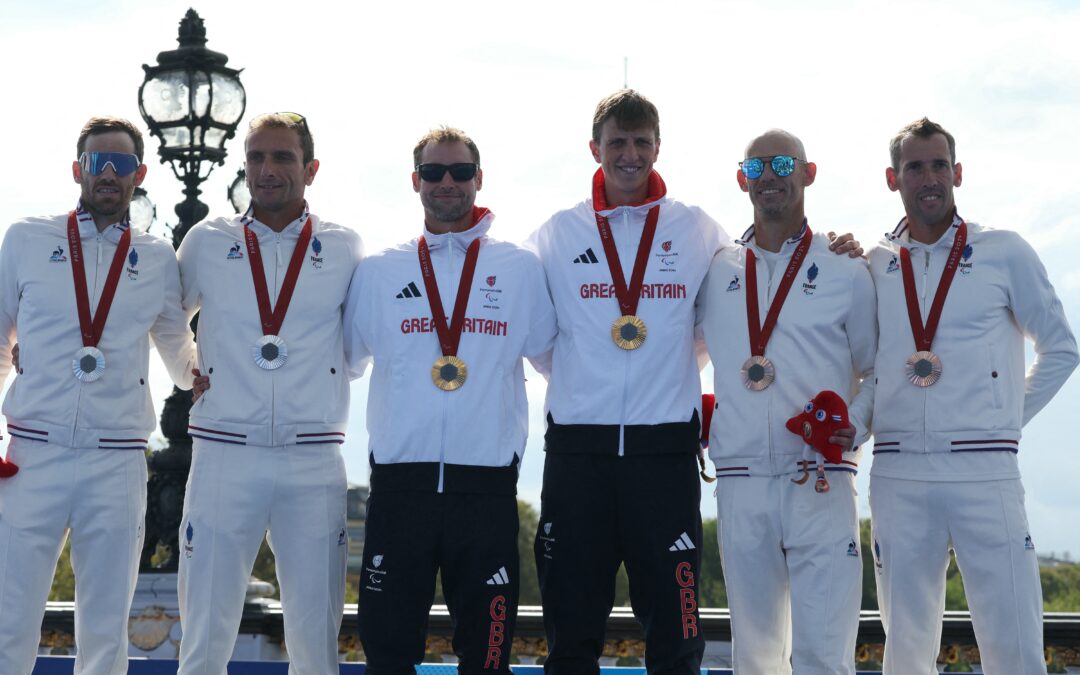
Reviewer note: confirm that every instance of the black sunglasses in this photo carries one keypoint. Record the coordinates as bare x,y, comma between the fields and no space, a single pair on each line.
433,173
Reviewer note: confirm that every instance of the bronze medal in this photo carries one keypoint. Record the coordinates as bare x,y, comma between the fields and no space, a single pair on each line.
629,332
923,368
449,373
758,373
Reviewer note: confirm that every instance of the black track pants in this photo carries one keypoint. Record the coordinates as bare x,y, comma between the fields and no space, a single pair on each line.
598,511
472,540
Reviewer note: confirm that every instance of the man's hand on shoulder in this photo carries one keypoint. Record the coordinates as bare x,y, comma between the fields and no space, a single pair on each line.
845,243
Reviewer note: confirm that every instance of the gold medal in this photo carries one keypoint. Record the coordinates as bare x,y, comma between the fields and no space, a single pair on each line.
449,373
923,368
758,373
629,332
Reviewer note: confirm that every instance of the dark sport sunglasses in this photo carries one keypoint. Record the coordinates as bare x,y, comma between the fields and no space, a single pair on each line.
433,173
122,163
782,165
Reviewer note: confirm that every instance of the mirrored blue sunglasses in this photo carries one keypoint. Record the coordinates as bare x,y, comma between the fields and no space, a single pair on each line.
122,163
782,165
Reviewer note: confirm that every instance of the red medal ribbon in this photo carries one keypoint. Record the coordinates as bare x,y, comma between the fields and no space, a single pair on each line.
759,335
93,327
924,336
628,297
449,336
273,318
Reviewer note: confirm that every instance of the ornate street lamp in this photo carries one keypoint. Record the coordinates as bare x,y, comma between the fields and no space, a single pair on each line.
192,103
142,211
239,195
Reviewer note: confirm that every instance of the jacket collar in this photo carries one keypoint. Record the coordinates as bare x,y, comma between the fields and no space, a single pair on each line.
657,195
901,234
747,238
261,230
482,218
88,230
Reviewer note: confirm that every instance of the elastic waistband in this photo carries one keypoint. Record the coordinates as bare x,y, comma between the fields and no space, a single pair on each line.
456,478
670,438
102,439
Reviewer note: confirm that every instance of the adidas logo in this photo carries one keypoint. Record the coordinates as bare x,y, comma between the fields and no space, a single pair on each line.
683,543
410,291
587,257
500,578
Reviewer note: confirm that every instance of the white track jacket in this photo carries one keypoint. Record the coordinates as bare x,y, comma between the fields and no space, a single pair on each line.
37,310
509,316
592,381
974,413
825,338
306,401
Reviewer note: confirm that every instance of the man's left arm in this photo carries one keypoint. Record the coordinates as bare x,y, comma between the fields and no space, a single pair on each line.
171,331
862,335
1041,317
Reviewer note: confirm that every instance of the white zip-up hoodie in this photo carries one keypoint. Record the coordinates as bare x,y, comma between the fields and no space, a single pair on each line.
306,401
825,338
967,425
592,381
424,438
37,310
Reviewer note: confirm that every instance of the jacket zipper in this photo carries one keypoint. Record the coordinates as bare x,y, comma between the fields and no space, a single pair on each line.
78,392
769,407
626,357
445,399
922,306
273,392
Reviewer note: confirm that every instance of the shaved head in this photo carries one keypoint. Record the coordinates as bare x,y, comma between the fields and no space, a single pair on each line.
773,137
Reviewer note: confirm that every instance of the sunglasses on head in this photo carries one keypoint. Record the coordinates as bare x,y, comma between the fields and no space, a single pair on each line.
433,173
122,163
295,118
782,165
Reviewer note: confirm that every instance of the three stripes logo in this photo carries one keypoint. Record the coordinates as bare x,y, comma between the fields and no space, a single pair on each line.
500,578
683,543
588,257
410,291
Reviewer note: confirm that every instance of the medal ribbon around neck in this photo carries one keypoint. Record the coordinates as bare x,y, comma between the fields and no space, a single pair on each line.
273,318
628,297
92,327
449,372
760,334
924,335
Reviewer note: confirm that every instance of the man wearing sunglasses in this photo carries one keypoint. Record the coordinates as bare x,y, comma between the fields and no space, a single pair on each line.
784,318
270,288
84,294
955,302
448,318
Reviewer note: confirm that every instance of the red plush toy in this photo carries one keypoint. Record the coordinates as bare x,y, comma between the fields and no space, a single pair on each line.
825,414
7,469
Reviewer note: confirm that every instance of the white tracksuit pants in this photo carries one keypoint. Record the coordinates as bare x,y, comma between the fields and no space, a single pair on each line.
915,523
100,495
235,494
793,572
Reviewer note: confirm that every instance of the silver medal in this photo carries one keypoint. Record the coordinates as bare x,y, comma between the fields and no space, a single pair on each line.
270,352
88,364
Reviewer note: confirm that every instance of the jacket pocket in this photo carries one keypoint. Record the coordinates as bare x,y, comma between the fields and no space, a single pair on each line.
996,375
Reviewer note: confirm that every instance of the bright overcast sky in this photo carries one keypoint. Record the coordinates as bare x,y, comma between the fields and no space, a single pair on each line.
523,80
